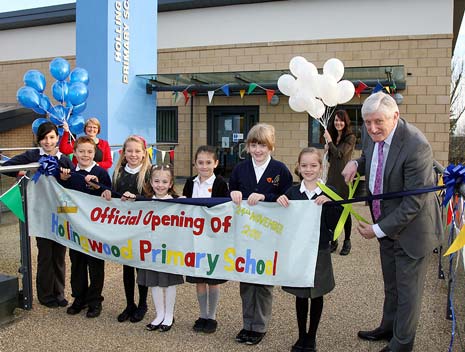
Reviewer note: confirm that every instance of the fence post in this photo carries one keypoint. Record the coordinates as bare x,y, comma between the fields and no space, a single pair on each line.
25,295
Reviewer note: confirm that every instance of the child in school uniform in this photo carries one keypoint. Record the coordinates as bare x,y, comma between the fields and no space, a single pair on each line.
205,185
84,266
260,179
309,168
51,255
163,284
131,174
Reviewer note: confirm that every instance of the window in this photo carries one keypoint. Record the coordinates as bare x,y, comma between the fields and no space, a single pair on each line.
315,130
167,124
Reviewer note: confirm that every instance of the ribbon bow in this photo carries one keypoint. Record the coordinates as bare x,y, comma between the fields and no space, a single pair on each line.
453,176
347,207
48,167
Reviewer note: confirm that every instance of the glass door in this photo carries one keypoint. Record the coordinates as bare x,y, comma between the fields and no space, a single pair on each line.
227,130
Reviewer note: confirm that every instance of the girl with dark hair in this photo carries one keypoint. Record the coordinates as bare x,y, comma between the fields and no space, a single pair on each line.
341,143
51,255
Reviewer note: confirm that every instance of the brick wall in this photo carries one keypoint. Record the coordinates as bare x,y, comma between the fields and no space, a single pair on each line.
427,61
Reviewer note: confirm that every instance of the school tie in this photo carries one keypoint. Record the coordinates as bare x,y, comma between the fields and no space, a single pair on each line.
376,206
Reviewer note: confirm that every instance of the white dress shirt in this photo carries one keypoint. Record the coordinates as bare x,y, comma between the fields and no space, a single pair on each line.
260,170
203,189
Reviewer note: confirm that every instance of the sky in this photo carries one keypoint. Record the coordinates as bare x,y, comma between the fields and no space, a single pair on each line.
15,5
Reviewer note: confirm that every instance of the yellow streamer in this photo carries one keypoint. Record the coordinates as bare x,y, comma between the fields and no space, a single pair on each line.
347,207
458,243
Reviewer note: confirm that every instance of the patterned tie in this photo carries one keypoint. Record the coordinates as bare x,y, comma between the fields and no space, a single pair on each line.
376,206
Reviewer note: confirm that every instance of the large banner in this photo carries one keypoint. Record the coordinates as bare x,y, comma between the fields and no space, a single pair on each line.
265,244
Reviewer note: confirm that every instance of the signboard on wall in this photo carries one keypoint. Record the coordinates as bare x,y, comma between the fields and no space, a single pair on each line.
115,41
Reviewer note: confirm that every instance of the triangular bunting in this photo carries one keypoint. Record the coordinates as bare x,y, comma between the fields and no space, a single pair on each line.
252,86
379,87
175,96
388,89
150,151
172,156
211,93
186,96
178,97
360,88
13,201
225,89
269,94
242,92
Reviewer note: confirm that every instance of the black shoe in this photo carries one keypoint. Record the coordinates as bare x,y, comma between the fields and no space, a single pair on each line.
309,345
298,346
94,312
210,326
333,246
126,313
165,328
75,309
199,325
138,314
346,247
375,335
62,302
51,304
386,349
151,327
255,338
243,336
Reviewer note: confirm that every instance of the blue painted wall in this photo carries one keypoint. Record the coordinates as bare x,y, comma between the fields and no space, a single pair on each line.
115,41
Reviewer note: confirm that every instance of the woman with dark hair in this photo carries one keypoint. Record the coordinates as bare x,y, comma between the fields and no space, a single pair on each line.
51,255
341,143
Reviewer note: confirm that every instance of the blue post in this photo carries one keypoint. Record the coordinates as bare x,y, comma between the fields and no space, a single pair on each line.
115,41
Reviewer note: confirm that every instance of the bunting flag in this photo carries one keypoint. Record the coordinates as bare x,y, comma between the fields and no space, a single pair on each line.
252,86
269,94
360,88
186,96
388,89
13,201
379,87
4,157
171,156
150,151
211,93
175,97
225,89
242,92
394,87
178,97
193,93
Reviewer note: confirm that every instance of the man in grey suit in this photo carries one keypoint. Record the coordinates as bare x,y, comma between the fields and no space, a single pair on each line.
397,157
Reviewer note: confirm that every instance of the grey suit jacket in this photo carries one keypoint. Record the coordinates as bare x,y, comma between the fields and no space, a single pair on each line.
413,220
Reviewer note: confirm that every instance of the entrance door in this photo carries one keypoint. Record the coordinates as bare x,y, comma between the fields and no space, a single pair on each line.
227,130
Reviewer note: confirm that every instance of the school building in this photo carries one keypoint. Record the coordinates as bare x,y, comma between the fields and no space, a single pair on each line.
204,46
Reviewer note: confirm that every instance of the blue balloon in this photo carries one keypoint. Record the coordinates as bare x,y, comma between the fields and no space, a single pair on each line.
59,68
28,97
39,111
35,79
45,102
76,124
60,91
77,93
57,115
60,131
36,123
77,109
79,75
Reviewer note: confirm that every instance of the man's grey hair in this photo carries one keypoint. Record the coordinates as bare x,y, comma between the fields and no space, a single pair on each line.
380,102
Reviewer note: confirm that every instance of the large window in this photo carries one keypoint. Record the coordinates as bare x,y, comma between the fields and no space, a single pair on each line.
315,130
167,124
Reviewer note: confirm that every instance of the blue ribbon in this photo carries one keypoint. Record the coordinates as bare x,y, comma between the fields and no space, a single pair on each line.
48,167
453,176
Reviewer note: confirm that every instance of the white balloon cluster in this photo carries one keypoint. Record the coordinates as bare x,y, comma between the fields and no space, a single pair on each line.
314,93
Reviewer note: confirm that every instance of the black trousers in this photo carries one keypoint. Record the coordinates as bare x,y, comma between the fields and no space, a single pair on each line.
83,268
50,280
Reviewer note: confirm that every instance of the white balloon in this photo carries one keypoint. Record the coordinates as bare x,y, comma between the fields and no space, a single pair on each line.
299,65
318,109
287,84
297,103
345,92
328,90
335,68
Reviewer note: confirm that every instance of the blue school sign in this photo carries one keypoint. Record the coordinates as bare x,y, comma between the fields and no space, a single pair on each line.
115,41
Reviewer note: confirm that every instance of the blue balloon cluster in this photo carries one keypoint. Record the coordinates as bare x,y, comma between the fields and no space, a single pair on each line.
70,94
